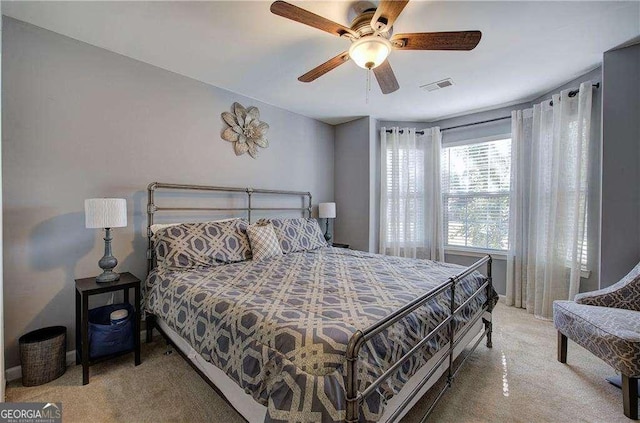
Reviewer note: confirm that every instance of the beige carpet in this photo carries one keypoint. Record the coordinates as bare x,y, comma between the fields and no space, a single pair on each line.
519,380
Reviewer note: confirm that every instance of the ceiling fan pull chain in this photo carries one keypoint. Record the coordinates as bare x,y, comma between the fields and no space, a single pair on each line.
368,87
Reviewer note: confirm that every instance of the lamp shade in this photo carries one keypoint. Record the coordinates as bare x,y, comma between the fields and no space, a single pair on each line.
327,210
105,212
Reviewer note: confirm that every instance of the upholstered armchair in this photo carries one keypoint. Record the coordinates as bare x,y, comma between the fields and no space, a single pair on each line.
607,323
624,294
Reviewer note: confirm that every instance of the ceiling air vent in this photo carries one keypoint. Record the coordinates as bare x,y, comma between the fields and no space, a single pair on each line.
438,85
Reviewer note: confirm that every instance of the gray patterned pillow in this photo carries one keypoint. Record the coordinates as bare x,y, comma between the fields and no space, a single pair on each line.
203,244
297,234
264,242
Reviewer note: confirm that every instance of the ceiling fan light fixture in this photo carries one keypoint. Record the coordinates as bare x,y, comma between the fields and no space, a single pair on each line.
370,52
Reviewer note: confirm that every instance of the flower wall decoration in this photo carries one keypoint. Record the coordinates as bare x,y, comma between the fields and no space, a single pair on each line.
245,130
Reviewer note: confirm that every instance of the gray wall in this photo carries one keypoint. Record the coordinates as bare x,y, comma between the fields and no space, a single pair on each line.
357,183
374,185
2,375
620,249
81,122
352,189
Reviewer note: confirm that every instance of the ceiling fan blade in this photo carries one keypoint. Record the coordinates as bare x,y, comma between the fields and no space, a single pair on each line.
295,13
386,78
330,64
387,13
454,40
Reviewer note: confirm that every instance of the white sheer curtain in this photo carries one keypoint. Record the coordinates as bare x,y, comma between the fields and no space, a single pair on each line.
411,215
549,191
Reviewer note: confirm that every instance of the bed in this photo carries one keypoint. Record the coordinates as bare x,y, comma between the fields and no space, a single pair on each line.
322,334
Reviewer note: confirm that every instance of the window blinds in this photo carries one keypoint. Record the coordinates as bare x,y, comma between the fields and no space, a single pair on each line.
476,182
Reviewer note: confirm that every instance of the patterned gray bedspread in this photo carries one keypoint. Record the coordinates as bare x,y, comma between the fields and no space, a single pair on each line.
280,327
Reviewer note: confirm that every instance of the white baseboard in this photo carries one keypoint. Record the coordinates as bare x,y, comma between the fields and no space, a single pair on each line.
15,372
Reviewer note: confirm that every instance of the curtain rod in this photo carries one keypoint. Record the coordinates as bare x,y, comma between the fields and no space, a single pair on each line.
575,92
571,94
458,126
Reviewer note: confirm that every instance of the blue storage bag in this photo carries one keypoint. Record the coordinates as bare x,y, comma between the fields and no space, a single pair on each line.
105,338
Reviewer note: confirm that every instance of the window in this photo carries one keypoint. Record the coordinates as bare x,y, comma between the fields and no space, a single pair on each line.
475,186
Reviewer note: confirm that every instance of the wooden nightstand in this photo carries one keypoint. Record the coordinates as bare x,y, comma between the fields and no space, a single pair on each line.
84,289
337,245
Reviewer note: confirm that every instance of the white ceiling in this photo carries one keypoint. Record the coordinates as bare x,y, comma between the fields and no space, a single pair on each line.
527,49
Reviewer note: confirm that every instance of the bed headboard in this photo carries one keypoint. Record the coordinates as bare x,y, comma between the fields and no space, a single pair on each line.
152,208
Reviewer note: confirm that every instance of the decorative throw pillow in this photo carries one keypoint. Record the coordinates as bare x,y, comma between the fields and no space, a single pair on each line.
297,234
203,244
264,242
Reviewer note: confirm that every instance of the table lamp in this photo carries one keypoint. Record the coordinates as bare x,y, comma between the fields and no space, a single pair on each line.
327,211
106,213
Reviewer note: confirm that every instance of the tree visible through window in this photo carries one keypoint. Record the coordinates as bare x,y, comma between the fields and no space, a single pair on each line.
475,184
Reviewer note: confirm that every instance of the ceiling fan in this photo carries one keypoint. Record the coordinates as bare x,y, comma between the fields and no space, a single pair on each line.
372,39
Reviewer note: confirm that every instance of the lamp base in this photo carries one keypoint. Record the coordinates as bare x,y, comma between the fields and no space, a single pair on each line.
108,261
108,276
327,234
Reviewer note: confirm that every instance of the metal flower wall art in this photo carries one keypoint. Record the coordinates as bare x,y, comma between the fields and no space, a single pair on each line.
245,130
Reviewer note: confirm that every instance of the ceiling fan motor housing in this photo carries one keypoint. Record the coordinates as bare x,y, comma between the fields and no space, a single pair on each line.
358,8
362,24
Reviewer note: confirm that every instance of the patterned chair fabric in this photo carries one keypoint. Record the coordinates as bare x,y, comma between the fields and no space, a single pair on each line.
613,334
202,244
297,234
624,294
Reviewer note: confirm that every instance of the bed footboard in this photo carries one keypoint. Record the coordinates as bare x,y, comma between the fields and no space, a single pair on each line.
356,398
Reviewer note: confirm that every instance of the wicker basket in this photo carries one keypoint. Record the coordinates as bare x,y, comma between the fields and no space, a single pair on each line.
43,355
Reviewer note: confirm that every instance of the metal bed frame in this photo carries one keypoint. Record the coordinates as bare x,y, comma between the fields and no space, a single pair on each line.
152,208
354,398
